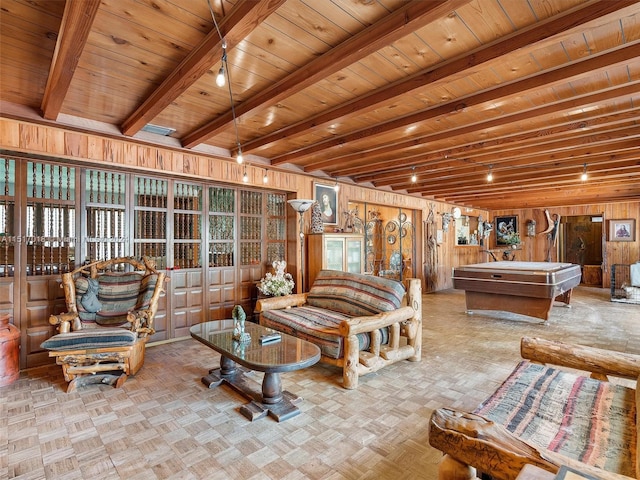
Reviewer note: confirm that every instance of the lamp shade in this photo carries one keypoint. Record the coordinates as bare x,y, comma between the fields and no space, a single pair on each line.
300,205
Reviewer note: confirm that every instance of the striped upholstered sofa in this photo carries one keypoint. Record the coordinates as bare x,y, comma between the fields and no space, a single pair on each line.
550,417
110,309
360,322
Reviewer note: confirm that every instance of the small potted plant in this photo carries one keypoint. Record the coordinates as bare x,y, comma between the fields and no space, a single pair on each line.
278,284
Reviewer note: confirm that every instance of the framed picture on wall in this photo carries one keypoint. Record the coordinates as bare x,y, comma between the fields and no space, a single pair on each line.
506,229
327,197
622,230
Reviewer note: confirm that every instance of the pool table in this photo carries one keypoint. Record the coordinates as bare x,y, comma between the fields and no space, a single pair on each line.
527,288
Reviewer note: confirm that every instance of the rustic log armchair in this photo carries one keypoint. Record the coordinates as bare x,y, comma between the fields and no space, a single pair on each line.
111,306
549,417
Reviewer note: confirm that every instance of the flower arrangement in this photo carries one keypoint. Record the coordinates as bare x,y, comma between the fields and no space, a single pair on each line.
512,239
277,284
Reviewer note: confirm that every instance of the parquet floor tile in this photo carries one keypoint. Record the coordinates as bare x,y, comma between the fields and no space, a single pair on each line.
165,424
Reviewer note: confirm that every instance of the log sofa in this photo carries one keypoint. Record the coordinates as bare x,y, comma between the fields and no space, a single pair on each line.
360,322
549,417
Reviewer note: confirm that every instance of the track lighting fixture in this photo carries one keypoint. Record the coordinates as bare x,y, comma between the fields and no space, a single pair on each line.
490,174
224,76
414,177
584,176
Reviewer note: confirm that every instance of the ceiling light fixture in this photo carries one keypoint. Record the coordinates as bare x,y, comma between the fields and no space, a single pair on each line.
490,174
245,177
220,81
584,175
336,187
265,177
414,177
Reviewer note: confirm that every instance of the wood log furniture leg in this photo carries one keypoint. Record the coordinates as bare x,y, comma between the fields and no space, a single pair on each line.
451,469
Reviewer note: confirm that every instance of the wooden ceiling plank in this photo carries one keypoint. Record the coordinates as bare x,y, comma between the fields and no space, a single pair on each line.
519,117
585,67
533,175
392,27
528,36
500,145
570,144
246,16
592,183
77,20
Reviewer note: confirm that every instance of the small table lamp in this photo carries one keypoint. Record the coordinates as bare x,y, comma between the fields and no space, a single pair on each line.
301,206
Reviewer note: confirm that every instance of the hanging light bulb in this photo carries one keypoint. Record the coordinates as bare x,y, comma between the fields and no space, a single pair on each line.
224,76
336,187
220,78
245,177
490,174
265,177
220,81
414,177
584,175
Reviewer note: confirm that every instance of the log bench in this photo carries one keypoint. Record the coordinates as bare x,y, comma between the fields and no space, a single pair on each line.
548,417
361,323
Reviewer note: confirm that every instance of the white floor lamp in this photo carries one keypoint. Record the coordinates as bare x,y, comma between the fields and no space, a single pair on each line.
301,206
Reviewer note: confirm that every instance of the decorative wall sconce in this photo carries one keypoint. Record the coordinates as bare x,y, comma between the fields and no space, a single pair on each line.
531,228
446,218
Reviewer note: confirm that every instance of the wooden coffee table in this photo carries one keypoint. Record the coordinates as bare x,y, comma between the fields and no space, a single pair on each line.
286,355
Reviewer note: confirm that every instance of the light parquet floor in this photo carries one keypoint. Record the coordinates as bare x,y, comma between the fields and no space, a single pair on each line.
164,424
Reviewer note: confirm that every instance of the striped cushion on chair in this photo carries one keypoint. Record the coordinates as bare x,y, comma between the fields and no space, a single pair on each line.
355,294
118,294
579,417
90,338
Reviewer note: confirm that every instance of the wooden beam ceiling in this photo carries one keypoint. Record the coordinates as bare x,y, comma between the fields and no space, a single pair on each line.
365,92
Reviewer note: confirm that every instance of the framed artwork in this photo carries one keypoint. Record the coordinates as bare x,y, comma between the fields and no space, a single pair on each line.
506,229
622,230
327,198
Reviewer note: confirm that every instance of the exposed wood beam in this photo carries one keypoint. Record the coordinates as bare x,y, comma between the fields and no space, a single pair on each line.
575,69
498,145
582,101
77,20
457,65
392,27
568,146
616,168
595,183
593,191
242,20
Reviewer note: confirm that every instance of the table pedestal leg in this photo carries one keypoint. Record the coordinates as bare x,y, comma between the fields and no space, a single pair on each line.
271,388
271,401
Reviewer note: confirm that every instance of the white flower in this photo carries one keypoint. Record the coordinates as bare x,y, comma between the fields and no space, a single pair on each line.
279,284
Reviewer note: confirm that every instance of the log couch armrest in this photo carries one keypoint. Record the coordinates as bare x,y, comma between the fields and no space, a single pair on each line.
356,325
599,362
469,439
278,303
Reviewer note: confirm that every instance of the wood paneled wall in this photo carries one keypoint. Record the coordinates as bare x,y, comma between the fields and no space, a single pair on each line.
79,146
53,142
535,248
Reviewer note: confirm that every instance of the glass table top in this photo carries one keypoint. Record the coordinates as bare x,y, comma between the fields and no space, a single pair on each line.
288,354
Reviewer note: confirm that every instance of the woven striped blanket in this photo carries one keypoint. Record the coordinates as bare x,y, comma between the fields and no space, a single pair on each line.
576,416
